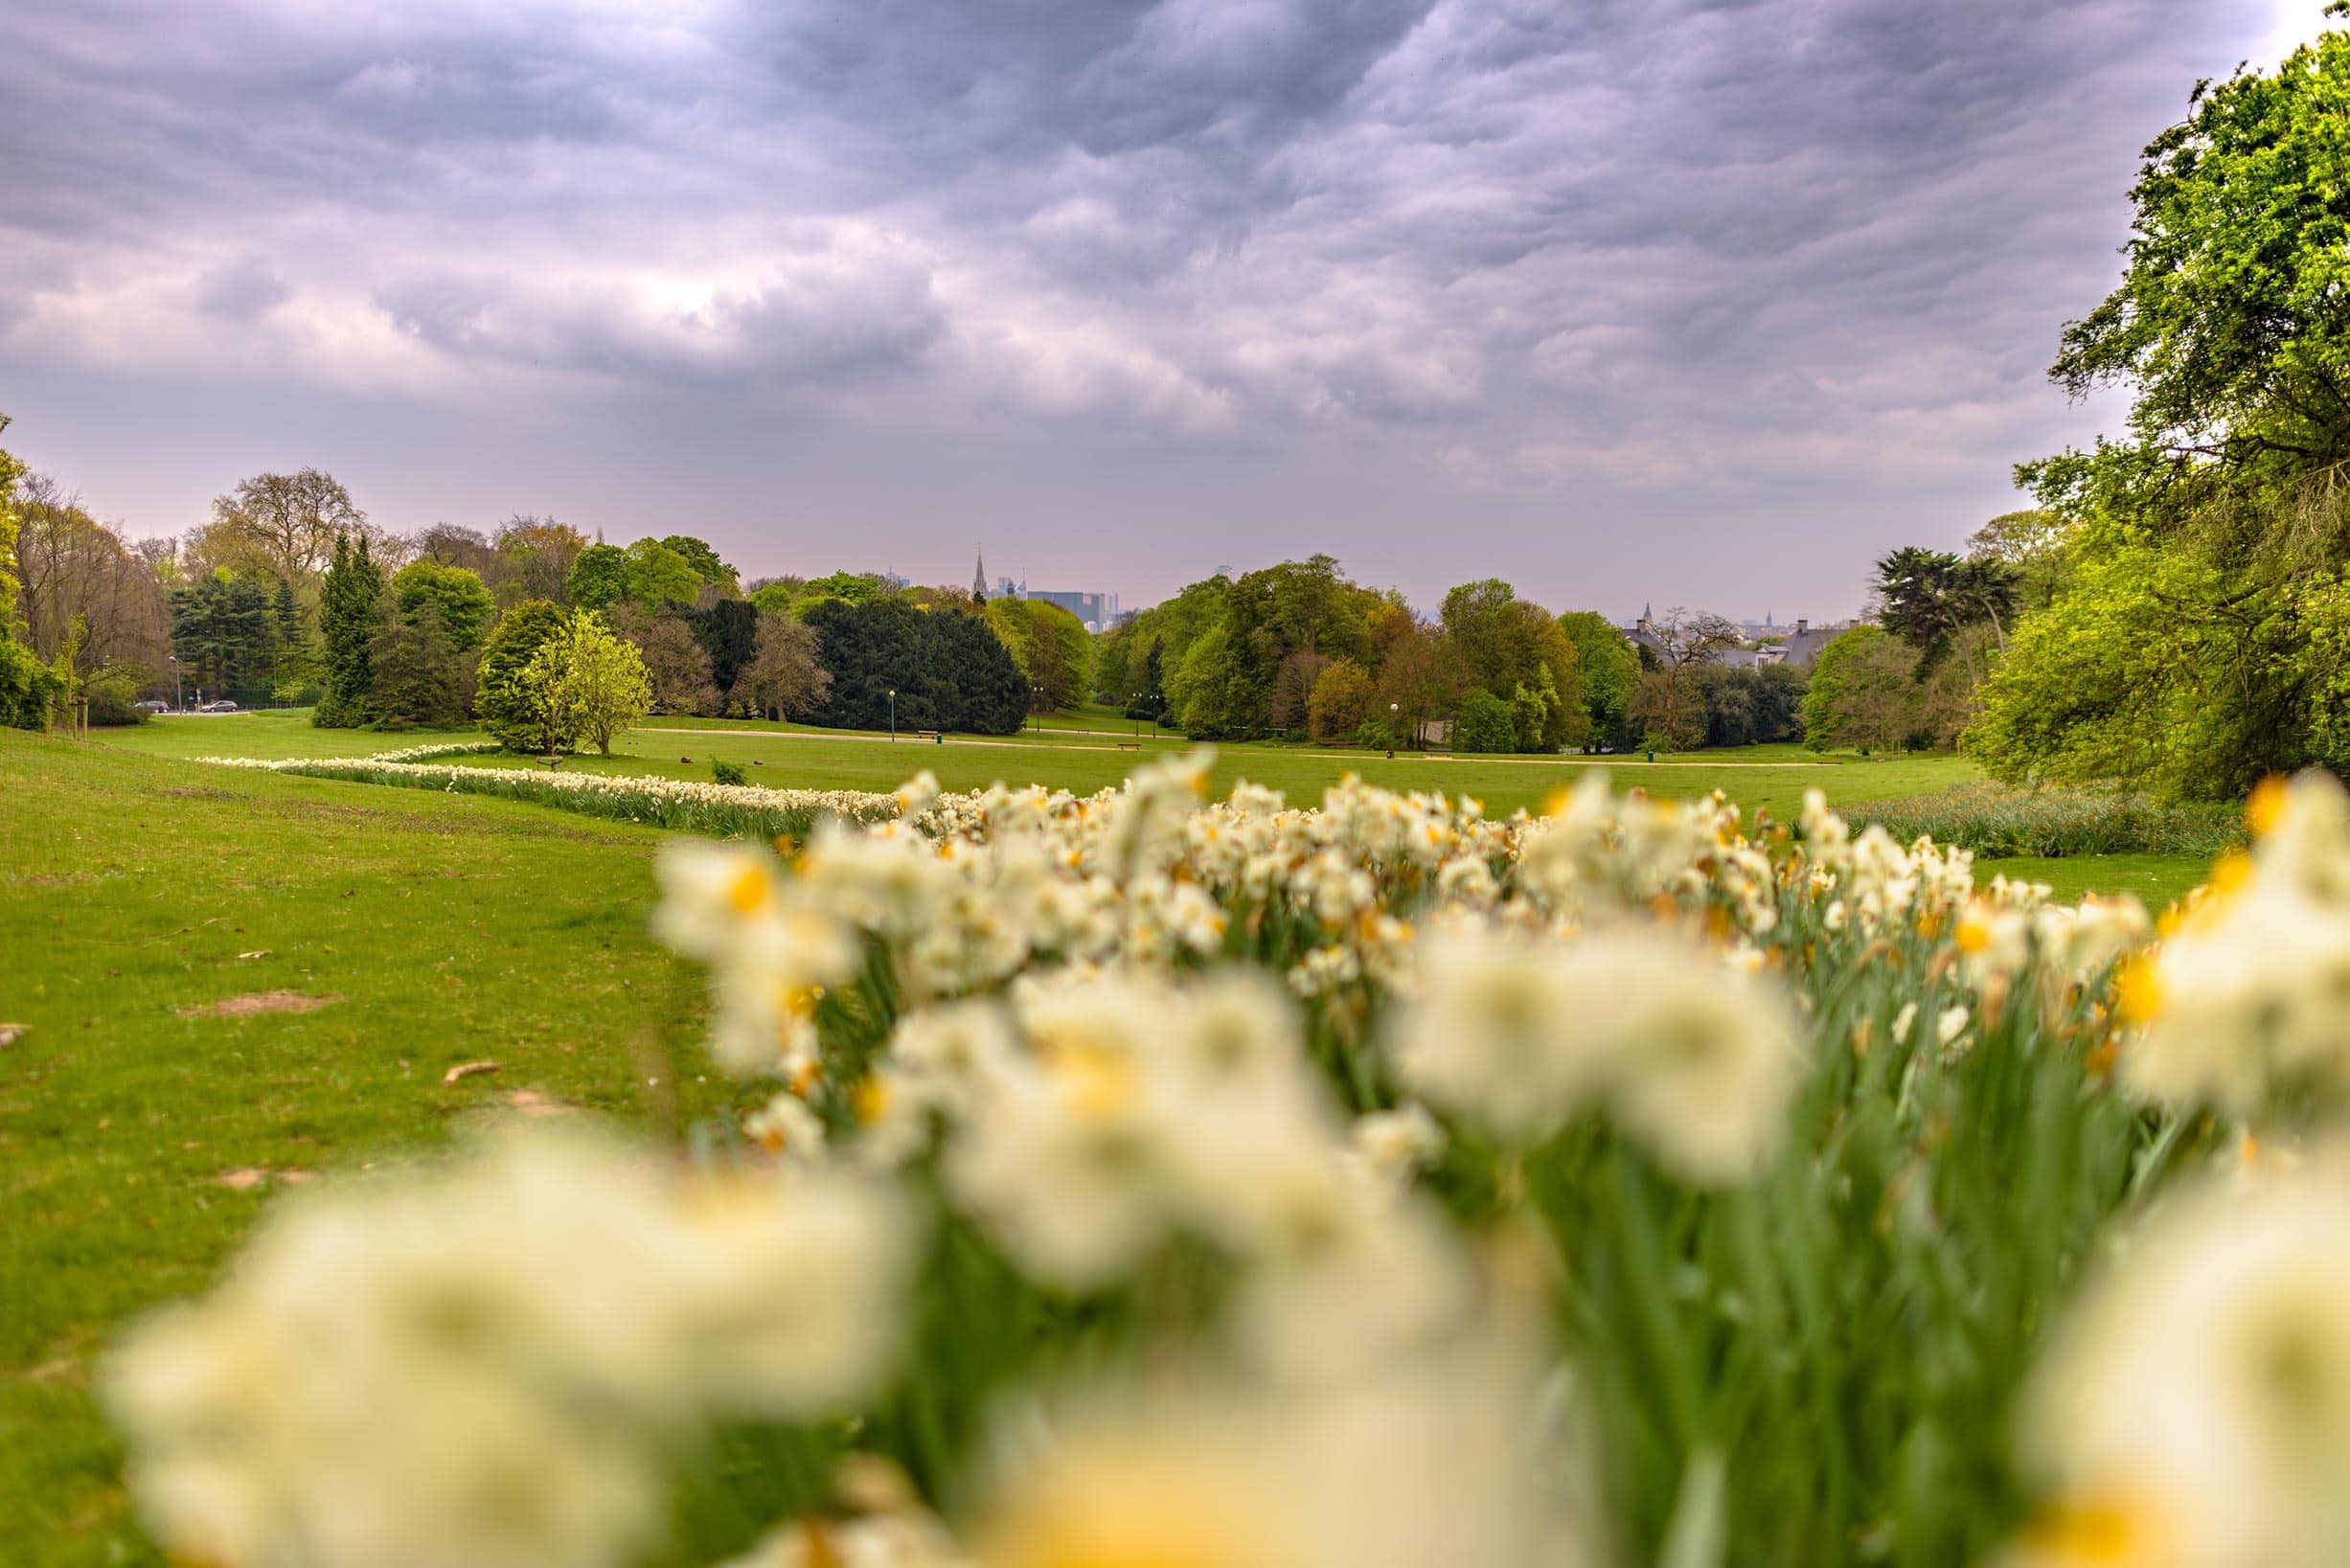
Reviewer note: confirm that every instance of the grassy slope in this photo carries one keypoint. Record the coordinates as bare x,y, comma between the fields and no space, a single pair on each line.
789,756
2156,880
452,929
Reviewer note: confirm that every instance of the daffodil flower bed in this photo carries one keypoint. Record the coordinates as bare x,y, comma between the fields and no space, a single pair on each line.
726,811
436,750
1132,1180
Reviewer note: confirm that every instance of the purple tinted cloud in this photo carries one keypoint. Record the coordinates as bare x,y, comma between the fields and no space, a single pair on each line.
1622,298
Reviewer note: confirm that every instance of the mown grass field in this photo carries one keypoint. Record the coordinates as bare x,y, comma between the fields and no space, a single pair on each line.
791,756
140,1135
135,1131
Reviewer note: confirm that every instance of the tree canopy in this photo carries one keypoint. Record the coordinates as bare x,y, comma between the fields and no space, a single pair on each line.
2188,644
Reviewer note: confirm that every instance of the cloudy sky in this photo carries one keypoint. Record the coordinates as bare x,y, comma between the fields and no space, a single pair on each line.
1702,300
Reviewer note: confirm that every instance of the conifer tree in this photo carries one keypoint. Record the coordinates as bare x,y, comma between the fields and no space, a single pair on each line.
347,625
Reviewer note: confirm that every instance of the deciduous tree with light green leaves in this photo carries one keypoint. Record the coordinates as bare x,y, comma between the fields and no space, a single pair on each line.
2190,647
466,607
1611,669
509,705
27,686
591,684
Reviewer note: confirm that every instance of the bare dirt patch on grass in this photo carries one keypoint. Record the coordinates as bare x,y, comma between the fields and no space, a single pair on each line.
256,1002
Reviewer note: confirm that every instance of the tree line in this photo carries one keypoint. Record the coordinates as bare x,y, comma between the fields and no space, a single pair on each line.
289,594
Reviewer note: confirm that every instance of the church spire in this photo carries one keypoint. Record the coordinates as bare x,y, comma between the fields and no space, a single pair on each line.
979,578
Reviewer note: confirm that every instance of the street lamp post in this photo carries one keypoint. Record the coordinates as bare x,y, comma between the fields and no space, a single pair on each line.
179,686
1133,710
1392,710
892,715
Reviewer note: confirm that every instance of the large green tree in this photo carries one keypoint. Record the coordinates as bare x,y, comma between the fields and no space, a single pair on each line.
222,633
419,678
509,705
599,576
347,621
1516,649
466,607
2187,648
1608,664
590,683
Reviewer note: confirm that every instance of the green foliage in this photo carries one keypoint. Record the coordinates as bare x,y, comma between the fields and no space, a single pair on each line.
1758,705
291,659
728,773
347,619
1608,664
590,683
1340,706
1505,643
658,575
1221,642
702,560
10,471
1996,820
224,635
2232,321
464,604
1485,724
1879,700
947,669
1051,648
2163,666
1928,598
28,687
509,705
1829,673
419,676
1531,707
728,631
848,587
599,577
2188,648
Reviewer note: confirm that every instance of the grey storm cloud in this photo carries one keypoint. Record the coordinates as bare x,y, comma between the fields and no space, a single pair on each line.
1577,280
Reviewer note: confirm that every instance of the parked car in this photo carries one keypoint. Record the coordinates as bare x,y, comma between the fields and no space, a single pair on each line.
223,706
151,706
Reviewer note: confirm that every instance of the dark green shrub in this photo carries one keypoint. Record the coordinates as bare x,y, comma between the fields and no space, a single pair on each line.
729,773
1485,724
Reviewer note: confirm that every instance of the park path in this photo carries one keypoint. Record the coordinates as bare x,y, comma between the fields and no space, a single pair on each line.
1169,744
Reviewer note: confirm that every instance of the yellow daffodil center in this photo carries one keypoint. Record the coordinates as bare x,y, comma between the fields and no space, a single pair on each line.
2137,991
2266,806
751,889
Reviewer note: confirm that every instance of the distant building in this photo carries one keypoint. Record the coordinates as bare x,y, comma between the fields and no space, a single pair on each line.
1803,648
1006,588
1098,611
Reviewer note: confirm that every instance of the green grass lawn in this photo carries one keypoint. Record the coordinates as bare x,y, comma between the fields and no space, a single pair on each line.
789,756
134,889
137,887
2156,880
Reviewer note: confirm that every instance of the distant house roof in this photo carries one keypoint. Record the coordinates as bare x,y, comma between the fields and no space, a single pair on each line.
1804,644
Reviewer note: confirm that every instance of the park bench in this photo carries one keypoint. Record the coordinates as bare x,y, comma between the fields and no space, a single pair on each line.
1130,745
